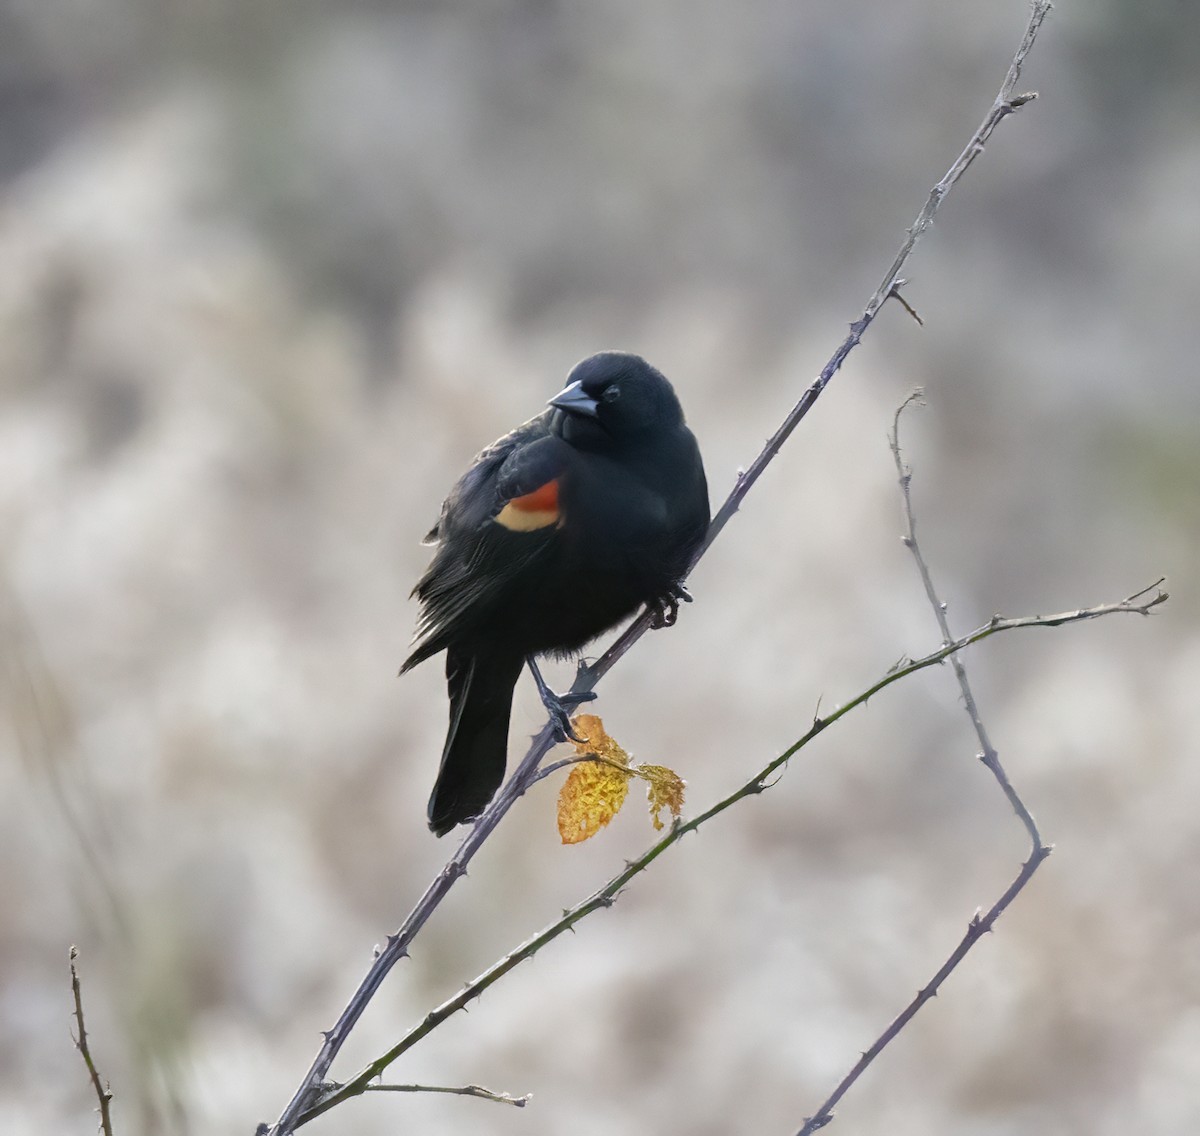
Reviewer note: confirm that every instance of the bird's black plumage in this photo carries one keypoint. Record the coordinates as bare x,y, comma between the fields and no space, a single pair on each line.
557,532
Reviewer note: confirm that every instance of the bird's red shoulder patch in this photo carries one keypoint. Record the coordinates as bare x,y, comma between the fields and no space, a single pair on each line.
535,510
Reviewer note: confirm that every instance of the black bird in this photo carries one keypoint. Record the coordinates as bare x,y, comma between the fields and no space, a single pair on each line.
557,532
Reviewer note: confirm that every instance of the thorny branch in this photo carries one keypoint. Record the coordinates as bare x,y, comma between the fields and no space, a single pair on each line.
81,1043
987,754
979,925
397,944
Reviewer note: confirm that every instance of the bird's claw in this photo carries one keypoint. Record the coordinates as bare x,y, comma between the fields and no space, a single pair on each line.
559,709
559,706
665,610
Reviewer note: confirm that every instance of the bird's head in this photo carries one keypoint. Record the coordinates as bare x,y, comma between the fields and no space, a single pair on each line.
614,398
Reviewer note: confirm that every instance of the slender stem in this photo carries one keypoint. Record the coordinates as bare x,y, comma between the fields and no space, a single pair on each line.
457,1091
1038,850
103,1095
630,771
988,754
976,929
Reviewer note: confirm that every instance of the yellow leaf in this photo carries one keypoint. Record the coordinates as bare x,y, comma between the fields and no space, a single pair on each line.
594,791
591,796
665,791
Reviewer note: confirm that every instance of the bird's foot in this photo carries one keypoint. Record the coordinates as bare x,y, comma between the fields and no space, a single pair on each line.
665,610
559,706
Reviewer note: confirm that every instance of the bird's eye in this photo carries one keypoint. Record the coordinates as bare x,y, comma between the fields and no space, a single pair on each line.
611,394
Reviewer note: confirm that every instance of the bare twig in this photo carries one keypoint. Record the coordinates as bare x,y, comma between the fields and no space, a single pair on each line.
988,754
899,298
976,929
103,1095
1038,852
456,1091
397,944
1141,603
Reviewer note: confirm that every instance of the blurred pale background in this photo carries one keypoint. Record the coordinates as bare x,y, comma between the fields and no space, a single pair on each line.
270,273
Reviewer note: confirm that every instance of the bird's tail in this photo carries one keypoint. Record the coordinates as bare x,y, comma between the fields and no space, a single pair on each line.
481,692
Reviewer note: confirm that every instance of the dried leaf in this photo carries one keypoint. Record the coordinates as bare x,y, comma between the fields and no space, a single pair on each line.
665,791
591,796
590,727
594,791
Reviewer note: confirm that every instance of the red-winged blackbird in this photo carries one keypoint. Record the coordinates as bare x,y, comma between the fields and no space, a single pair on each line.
556,533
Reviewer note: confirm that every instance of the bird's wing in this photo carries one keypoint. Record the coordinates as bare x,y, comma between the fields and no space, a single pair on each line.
468,495
497,523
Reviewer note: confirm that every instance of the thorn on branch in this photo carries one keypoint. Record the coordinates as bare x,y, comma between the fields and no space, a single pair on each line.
391,945
894,294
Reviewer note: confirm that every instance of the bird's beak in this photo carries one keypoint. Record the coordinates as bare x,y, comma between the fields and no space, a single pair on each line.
574,400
